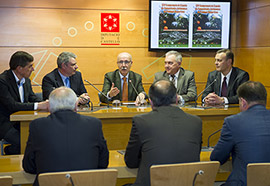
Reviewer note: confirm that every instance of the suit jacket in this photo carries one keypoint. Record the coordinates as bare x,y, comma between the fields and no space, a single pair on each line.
53,80
186,86
65,141
165,135
237,77
10,101
114,77
246,136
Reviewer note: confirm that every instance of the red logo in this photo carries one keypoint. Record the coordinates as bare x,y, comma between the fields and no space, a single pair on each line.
109,22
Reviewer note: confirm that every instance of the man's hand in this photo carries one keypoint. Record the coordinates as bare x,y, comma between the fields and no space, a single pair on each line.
213,99
140,99
83,99
114,91
44,105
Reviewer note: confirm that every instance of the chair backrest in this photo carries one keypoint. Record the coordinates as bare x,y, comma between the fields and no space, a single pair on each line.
184,174
6,180
101,177
258,174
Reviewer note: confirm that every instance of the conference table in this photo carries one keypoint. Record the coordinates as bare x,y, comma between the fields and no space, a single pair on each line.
117,122
12,166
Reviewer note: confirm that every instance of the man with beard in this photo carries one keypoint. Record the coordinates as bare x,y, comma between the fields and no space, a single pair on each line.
118,85
65,75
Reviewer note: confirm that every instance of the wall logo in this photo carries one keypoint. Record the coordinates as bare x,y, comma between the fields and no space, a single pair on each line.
110,29
110,22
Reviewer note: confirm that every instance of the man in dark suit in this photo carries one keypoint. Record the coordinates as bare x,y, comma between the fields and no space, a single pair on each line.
114,82
64,140
65,75
245,136
164,135
183,80
16,95
224,81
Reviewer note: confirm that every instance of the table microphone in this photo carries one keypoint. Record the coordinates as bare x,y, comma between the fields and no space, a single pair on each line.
133,87
200,172
208,139
70,179
99,91
204,90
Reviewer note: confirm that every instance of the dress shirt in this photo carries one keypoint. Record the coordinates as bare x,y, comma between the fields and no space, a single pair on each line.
21,90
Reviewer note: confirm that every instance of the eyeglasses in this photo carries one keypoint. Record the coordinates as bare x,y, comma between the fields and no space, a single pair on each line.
124,62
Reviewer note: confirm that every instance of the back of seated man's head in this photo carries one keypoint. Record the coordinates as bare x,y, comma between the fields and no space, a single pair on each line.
162,93
62,98
253,92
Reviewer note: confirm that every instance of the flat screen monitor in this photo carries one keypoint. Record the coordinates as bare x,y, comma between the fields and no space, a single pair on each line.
179,24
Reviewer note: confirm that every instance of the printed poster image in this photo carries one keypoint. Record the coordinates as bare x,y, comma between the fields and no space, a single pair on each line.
207,26
173,25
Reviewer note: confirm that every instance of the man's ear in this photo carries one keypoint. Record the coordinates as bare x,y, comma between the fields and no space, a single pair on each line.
177,99
244,104
151,103
76,105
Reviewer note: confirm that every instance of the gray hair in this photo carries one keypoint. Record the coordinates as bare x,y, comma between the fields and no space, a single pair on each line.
178,56
62,98
64,57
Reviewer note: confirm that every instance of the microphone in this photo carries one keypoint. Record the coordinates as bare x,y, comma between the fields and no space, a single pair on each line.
68,176
99,91
133,87
204,91
135,90
200,172
208,139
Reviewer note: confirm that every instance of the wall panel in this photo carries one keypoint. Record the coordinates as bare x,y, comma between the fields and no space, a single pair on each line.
253,39
45,28
79,4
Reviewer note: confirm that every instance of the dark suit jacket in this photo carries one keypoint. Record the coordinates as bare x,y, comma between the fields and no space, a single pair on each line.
53,80
186,86
237,77
246,136
10,99
65,141
165,135
114,77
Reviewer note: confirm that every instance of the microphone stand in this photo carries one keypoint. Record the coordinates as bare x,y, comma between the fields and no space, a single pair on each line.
135,90
203,91
208,139
99,91
68,176
200,172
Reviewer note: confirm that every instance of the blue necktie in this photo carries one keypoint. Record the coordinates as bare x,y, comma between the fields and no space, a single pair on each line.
67,82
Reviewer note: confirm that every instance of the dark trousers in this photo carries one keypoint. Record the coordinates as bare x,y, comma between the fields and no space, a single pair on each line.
13,137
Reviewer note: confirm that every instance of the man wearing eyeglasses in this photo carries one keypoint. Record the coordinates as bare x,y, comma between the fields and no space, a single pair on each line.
123,84
183,80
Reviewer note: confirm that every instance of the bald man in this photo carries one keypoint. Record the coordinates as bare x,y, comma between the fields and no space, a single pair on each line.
114,82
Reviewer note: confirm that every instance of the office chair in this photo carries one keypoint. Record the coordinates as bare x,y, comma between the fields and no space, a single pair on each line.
258,174
184,174
97,177
2,144
6,180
